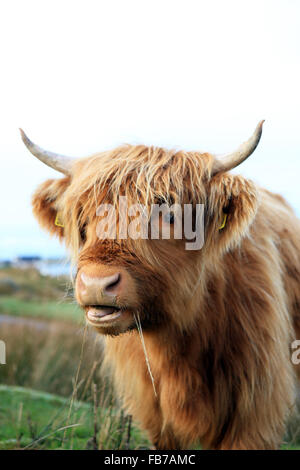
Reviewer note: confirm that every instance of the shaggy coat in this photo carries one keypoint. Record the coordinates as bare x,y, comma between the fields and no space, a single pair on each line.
217,323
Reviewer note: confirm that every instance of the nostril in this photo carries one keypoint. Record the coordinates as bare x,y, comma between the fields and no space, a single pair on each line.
113,283
92,289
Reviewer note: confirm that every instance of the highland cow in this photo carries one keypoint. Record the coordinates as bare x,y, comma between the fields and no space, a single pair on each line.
198,342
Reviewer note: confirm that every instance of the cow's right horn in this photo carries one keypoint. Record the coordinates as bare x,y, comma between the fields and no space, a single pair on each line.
57,162
232,160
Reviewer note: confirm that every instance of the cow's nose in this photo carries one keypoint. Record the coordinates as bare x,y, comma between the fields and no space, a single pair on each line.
93,290
108,284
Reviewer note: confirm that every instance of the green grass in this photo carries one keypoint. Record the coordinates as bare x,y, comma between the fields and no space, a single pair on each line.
32,419
27,293
290,447
51,309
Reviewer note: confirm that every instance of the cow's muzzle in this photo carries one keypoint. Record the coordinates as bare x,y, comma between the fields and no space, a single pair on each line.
105,293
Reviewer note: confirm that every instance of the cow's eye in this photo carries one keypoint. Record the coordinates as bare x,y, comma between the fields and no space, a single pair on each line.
169,218
83,233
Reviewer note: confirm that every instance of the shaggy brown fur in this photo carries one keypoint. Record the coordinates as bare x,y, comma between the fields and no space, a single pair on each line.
217,323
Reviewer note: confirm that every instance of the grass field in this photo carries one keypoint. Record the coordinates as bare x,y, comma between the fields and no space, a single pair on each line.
38,420
45,309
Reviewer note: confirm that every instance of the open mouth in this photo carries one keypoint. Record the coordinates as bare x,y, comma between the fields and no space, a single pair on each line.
97,314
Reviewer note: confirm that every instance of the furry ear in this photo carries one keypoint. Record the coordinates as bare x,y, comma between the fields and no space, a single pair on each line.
47,202
232,206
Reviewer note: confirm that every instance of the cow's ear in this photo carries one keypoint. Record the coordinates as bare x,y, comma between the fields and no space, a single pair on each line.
47,204
232,206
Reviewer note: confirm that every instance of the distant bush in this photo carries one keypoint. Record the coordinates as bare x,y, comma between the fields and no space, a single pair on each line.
30,284
8,286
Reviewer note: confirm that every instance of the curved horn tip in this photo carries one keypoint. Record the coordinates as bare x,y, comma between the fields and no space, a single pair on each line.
24,137
258,130
260,124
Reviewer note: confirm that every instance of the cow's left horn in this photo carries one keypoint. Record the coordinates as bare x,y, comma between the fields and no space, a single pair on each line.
54,160
230,161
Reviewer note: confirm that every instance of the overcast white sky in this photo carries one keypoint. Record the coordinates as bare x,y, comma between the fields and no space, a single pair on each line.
84,76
